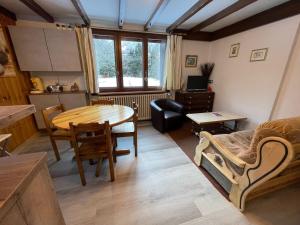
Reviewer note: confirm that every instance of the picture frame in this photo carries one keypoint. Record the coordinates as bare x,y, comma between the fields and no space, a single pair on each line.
234,50
191,61
7,67
258,54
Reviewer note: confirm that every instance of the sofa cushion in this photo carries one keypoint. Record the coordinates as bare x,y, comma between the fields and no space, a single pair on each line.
170,115
238,143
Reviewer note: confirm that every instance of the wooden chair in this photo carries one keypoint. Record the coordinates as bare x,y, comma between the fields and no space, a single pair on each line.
128,129
92,141
102,102
55,134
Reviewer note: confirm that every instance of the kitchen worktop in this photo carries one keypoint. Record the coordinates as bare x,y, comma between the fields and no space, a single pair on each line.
13,113
58,93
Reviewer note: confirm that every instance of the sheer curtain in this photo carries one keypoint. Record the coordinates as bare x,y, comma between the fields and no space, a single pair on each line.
172,69
85,41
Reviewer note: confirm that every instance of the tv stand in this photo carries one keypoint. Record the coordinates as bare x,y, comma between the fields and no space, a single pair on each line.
195,102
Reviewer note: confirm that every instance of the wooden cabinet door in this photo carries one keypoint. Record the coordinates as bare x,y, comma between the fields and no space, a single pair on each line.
41,102
63,50
30,48
71,101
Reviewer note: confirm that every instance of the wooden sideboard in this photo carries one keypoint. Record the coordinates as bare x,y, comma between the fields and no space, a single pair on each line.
27,195
195,102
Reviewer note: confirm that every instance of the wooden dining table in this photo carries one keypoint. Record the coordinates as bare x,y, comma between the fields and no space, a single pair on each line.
115,114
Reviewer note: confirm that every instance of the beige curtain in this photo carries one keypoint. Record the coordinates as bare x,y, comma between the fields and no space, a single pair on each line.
172,69
85,41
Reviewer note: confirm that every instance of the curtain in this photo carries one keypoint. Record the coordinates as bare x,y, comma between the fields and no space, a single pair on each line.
172,69
85,42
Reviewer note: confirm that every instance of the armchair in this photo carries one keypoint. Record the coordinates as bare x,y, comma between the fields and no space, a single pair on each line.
166,114
248,164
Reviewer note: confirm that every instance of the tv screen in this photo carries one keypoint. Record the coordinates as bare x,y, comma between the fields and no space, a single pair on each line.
197,83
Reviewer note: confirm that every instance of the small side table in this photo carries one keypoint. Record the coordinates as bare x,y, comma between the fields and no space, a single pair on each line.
4,139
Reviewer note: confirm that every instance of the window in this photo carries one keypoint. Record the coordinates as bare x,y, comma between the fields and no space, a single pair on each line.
132,63
105,62
128,62
156,54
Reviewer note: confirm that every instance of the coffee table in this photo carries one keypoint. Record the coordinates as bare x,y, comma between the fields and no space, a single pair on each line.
219,118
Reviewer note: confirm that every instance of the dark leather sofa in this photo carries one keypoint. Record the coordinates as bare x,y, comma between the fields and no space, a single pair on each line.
166,114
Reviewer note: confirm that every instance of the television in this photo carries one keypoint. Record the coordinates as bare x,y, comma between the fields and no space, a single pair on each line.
197,83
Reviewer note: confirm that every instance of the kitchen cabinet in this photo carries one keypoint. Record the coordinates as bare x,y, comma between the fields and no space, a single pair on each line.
30,48
63,50
70,100
39,49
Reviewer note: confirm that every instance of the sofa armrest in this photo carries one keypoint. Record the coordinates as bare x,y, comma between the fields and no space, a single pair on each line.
224,151
274,154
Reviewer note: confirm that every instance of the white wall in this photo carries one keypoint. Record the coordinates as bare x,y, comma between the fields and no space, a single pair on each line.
250,88
287,104
199,48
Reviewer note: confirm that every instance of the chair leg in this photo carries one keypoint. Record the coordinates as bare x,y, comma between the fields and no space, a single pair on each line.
114,151
55,149
111,167
135,144
81,171
98,167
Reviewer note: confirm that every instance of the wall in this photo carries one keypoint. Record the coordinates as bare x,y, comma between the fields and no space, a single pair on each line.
13,91
250,88
199,48
287,104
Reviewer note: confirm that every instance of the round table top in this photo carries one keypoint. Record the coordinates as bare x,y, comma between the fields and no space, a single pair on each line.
115,114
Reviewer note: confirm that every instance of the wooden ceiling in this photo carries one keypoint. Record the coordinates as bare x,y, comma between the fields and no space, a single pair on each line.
196,19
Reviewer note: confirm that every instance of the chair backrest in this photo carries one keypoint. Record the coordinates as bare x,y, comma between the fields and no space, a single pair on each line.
102,102
48,113
92,133
136,112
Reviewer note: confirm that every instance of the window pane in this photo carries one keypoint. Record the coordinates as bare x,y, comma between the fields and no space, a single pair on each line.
105,62
156,54
132,63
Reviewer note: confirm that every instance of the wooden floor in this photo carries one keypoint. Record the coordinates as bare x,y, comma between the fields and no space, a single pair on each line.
162,186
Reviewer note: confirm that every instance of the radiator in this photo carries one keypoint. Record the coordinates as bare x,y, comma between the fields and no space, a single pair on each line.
143,101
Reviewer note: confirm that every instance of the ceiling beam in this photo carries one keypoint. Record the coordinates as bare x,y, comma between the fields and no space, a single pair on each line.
38,10
78,6
8,13
220,15
160,6
188,14
279,12
121,13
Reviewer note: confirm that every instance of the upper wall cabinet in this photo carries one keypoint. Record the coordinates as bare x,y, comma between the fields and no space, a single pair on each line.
63,50
40,49
31,48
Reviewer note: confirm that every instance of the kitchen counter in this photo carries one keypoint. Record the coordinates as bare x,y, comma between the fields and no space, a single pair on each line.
27,194
11,114
59,93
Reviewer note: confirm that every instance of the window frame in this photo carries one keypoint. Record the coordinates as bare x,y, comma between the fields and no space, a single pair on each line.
118,36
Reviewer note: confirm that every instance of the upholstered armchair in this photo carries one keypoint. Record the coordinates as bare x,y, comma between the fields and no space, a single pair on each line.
166,114
248,164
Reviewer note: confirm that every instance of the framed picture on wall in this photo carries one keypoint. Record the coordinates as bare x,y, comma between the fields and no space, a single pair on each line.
234,50
191,61
7,68
258,55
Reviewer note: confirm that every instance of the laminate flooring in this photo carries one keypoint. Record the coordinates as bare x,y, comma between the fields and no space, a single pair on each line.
160,187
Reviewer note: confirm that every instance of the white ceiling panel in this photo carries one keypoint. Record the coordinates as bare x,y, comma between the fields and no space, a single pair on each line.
102,10
209,10
244,13
62,10
174,10
138,12
21,10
